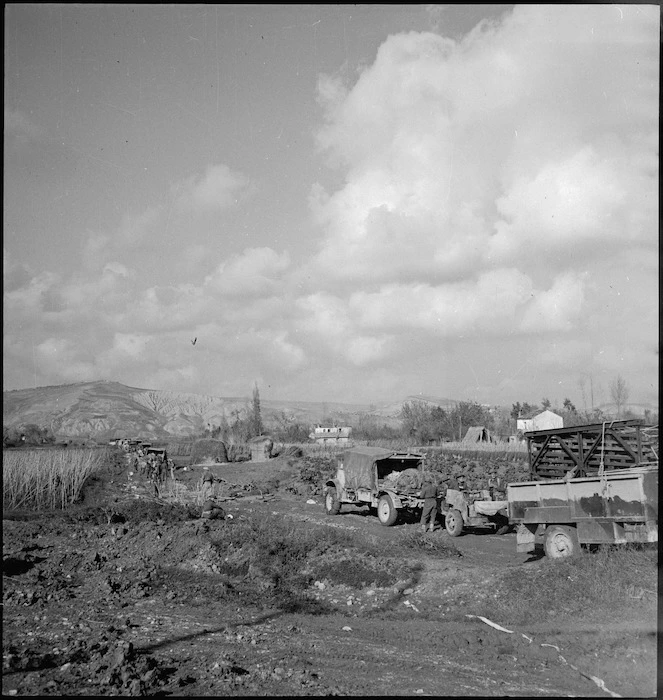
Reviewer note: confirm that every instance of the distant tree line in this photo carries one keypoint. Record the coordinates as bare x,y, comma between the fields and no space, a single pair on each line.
420,422
28,435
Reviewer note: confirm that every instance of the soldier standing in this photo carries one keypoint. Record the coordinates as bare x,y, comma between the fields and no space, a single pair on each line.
429,492
208,485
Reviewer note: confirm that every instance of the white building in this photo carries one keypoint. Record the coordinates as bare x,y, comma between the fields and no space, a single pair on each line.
547,420
333,435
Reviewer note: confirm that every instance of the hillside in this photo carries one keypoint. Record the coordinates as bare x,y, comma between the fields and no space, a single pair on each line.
107,409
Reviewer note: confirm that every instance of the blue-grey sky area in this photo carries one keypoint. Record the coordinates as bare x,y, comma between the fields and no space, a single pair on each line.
339,202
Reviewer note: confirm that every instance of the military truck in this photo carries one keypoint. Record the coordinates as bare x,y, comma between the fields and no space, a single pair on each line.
377,478
590,484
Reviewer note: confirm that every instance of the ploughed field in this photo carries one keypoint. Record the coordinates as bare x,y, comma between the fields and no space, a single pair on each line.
126,593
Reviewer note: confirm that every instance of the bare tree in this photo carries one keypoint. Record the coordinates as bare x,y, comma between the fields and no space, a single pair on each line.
619,392
581,384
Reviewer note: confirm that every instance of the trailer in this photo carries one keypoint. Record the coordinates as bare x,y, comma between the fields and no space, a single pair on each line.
591,484
473,509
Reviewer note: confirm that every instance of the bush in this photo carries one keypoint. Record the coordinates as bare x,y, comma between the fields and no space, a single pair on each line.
28,435
208,451
478,467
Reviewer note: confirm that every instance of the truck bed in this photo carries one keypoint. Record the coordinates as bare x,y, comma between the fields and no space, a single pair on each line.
628,494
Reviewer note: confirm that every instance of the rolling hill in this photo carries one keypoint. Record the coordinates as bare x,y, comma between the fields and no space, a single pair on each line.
106,409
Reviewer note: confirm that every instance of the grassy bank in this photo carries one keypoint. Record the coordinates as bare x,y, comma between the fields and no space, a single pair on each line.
616,582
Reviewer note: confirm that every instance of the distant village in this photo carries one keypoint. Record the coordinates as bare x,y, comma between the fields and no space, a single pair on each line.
543,420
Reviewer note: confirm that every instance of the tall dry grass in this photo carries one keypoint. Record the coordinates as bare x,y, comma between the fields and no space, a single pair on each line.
47,479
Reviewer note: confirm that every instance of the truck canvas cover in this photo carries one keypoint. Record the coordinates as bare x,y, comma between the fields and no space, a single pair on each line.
358,463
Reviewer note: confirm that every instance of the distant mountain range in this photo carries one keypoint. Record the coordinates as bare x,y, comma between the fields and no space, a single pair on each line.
105,410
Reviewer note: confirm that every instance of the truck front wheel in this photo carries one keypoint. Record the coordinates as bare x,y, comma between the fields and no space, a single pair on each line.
453,522
561,541
332,504
387,513
502,525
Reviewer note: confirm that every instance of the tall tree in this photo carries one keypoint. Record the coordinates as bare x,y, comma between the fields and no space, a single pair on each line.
467,414
619,392
523,410
545,404
256,417
581,384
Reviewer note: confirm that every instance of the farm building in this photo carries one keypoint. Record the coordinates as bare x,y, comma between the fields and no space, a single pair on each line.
547,420
477,433
333,435
261,448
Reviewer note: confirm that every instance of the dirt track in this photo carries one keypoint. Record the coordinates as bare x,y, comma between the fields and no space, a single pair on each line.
88,612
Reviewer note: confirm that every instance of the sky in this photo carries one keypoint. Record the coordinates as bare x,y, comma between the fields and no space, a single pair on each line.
352,203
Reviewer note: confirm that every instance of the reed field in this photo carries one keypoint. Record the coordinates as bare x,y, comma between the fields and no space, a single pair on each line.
47,479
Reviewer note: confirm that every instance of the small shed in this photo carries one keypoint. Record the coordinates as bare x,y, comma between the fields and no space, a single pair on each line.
477,433
261,448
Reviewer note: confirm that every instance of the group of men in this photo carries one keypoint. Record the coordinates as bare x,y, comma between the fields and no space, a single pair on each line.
153,466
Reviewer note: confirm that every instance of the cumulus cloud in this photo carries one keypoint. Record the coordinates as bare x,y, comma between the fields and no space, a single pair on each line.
255,271
485,177
557,308
61,358
131,345
216,190
490,185
219,188
480,145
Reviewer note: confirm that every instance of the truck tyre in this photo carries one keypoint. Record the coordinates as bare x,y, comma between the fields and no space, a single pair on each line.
561,541
502,525
387,513
453,522
332,504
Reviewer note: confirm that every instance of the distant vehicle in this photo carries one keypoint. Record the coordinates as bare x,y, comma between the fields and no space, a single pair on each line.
131,444
378,478
158,451
591,484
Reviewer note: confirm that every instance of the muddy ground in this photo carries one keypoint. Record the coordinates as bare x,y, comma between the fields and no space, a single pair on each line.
126,595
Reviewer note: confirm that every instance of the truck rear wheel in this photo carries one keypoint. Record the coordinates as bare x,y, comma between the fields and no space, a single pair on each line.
453,522
387,513
561,541
332,504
